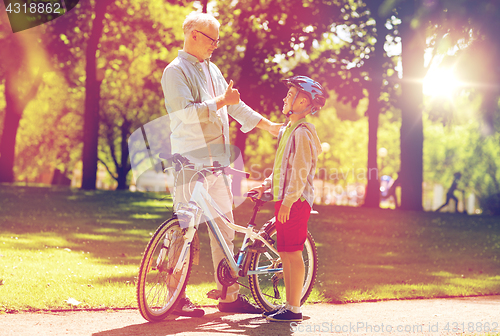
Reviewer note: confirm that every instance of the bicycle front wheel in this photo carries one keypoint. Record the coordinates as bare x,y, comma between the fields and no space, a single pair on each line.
158,287
268,289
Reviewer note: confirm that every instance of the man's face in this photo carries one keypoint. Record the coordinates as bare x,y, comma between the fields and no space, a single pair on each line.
205,37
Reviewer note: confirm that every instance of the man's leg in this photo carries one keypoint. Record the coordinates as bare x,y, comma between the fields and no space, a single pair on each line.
183,192
223,197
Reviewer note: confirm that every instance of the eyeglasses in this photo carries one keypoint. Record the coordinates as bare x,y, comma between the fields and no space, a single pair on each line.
214,42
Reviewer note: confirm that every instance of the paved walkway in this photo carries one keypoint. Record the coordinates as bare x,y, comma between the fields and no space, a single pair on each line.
465,316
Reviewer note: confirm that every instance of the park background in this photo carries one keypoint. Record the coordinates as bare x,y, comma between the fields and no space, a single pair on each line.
414,94
73,90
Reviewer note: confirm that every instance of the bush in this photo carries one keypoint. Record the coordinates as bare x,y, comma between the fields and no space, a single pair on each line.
491,205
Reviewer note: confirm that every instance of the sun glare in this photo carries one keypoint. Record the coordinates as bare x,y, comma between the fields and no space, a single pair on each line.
440,82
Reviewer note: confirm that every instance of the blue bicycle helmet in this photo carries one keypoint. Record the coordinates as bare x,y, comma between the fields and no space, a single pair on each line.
311,88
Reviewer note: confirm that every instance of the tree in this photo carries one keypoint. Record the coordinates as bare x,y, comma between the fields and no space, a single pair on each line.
376,65
49,137
23,76
457,21
92,97
311,41
365,69
131,93
476,62
412,136
262,32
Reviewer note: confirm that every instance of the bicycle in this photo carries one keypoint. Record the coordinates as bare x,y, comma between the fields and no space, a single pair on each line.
166,264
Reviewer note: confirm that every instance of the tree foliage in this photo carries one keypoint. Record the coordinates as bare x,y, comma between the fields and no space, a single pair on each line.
336,42
134,64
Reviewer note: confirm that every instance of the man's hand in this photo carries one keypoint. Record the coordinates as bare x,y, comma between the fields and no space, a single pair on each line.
231,96
283,214
273,128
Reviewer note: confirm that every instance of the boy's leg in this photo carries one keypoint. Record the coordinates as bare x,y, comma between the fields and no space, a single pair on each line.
286,273
291,237
296,274
293,273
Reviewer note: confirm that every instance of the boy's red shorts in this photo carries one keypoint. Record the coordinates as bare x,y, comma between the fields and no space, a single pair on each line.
292,235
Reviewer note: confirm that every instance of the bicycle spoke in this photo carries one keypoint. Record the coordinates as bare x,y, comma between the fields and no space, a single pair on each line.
268,289
158,287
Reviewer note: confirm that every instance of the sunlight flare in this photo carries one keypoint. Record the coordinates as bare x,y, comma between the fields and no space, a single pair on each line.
440,82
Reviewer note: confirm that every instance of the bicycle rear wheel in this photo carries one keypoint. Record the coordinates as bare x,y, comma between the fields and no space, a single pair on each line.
158,288
268,289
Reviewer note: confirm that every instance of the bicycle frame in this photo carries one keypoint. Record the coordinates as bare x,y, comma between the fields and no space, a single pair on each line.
201,198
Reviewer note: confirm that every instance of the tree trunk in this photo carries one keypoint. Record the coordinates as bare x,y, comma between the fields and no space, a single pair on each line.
204,4
15,105
376,63
92,89
122,179
245,86
412,135
13,112
372,194
124,167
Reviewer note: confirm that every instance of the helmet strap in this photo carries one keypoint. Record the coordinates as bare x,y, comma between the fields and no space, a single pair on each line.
293,102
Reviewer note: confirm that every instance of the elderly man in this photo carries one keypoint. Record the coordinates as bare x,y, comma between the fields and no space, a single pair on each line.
198,101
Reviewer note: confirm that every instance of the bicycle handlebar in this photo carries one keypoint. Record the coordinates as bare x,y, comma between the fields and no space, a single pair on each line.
181,161
235,172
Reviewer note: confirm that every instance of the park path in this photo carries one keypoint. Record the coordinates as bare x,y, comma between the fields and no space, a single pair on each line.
403,317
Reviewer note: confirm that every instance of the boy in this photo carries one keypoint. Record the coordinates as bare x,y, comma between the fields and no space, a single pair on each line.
292,186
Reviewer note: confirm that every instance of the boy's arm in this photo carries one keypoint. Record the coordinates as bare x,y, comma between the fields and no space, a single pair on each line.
301,166
264,186
267,182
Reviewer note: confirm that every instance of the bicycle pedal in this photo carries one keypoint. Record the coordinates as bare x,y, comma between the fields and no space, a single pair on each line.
214,294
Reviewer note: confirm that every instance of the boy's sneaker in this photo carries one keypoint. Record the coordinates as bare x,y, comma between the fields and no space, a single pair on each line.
285,315
274,311
186,308
241,305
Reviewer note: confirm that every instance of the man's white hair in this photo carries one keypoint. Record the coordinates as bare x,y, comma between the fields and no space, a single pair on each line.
197,20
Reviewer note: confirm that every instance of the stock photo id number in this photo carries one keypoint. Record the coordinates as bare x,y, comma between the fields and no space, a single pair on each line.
34,7
25,14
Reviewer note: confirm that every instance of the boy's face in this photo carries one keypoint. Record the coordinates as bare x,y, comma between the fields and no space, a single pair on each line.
300,103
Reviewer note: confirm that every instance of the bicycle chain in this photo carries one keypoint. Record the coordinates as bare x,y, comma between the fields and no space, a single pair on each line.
225,277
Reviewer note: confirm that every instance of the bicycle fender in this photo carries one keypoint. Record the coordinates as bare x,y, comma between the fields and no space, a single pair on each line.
269,225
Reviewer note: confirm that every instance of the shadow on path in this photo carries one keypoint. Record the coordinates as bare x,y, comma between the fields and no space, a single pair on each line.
212,323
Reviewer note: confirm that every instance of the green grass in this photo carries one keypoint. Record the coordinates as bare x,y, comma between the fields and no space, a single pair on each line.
59,243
